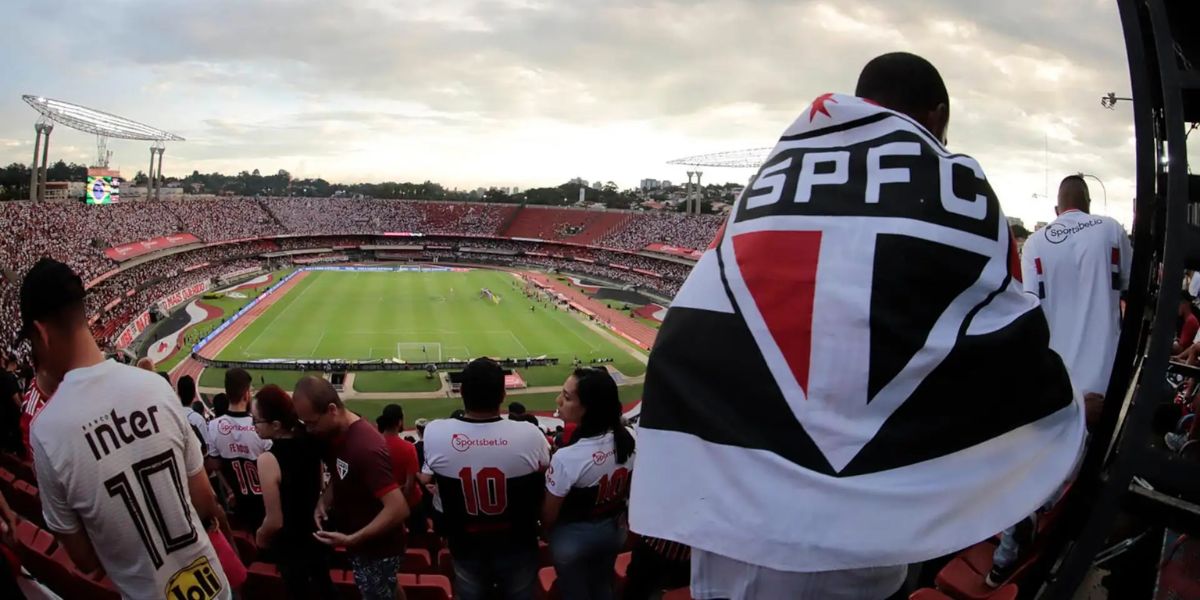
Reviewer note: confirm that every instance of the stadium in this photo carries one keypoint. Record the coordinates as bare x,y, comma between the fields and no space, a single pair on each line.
374,290
863,389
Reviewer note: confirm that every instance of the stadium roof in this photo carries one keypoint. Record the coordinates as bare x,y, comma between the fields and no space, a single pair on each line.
95,121
750,158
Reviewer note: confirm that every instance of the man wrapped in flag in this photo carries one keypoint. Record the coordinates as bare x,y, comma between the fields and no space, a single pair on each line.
884,391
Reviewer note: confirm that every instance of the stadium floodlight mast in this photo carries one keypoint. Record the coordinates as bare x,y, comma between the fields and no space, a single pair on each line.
89,120
750,158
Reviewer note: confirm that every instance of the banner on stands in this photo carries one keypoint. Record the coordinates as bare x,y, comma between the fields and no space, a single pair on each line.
131,250
675,251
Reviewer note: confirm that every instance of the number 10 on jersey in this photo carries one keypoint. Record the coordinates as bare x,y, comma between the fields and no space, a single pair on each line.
484,492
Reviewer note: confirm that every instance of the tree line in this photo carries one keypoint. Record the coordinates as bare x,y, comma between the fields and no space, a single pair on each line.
14,185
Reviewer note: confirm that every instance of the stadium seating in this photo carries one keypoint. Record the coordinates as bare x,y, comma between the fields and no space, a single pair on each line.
79,235
425,587
47,561
1007,592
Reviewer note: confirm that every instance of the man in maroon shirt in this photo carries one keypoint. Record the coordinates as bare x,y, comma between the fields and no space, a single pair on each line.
367,502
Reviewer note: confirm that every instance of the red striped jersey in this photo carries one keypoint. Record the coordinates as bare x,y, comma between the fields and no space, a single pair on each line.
34,402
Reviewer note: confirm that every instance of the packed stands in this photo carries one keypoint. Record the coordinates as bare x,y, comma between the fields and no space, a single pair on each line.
565,224
675,229
606,244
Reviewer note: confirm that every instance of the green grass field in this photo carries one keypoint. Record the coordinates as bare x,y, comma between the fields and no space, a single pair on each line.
418,317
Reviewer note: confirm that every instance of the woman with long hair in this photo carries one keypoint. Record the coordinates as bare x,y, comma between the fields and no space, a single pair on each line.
588,487
290,475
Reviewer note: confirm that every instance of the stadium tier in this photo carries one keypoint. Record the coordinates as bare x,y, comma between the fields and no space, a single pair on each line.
133,255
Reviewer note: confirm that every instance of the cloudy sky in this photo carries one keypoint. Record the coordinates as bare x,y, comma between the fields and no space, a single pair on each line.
534,92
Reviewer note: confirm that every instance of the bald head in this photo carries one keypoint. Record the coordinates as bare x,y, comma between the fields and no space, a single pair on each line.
1073,195
317,404
318,392
146,363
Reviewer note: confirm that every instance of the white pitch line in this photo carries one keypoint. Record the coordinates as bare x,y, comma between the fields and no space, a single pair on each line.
277,315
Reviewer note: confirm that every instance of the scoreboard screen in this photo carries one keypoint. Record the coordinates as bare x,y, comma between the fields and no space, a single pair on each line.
103,189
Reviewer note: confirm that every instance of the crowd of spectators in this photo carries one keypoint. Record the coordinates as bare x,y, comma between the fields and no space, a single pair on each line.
215,219
694,232
78,234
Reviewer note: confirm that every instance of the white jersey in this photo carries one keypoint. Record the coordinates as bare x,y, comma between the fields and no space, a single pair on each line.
113,455
1079,265
233,439
490,480
199,425
587,474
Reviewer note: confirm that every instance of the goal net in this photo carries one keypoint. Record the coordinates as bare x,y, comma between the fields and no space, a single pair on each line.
419,351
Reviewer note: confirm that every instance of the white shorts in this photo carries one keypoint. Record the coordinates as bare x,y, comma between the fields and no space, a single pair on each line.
715,576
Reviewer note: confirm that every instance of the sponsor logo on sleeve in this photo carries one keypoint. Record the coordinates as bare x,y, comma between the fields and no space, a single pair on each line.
342,468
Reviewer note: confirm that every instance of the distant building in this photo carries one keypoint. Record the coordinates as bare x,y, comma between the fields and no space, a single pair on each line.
579,181
650,184
1039,225
1016,222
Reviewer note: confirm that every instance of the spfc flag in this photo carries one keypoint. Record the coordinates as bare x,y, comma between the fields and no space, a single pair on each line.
852,376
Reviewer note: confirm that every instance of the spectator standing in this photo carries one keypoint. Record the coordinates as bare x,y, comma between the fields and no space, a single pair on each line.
404,458
290,473
836,453
1078,266
233,451
367,503
588,487
111,449
490,482
517,412
1188,326
186,388
220,405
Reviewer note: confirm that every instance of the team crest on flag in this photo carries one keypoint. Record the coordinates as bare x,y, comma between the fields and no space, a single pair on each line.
857,332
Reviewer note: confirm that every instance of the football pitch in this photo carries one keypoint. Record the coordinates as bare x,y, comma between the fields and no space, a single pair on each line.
420,317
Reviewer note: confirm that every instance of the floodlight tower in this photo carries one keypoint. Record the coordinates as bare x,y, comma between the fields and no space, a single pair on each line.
737,159
88,120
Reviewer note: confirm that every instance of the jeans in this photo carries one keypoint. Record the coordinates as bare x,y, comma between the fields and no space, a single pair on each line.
376,577
514,570
1011,542
584,553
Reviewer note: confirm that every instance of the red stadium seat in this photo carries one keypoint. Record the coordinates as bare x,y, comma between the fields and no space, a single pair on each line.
427,541
417,560
246,547
7,479
678,594
548,583
263,581
21,469
425,587
445,563
25,501
343,582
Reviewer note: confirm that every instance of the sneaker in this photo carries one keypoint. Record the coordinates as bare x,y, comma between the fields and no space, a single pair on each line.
1175,441
997,576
